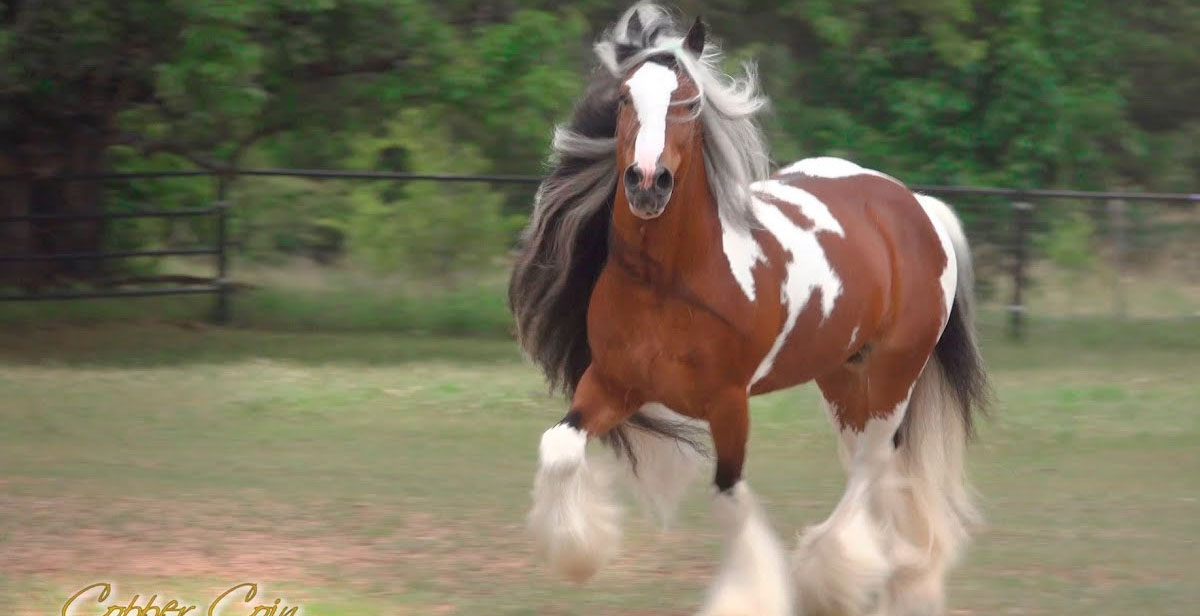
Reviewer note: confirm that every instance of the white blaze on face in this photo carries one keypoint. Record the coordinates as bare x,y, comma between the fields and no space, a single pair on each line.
650,89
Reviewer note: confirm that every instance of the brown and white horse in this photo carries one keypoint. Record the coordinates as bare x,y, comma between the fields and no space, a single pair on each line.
665,278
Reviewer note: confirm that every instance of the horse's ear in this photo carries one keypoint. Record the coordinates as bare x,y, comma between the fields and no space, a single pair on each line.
694,41
633,30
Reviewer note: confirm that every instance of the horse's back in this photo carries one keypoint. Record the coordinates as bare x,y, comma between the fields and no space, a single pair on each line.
872,203
845,186
884,251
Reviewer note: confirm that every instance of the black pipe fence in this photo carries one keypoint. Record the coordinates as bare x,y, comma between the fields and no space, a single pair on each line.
1022,222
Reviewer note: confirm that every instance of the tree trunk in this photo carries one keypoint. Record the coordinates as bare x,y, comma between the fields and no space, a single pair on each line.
40,189
16,237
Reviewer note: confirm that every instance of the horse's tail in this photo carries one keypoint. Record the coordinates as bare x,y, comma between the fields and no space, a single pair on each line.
958,350
935,510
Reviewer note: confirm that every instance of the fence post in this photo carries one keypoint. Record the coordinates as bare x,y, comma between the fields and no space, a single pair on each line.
1022,215
1118,226
221,313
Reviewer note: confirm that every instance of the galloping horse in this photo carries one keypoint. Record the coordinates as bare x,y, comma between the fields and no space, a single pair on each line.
666,277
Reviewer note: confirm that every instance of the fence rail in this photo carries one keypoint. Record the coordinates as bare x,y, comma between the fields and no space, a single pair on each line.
1022,208
115,254
339,174
186,213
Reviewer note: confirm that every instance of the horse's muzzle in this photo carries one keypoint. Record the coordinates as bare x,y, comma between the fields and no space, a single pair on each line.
648,197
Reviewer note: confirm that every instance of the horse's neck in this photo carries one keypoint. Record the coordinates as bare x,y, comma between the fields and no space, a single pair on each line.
665,249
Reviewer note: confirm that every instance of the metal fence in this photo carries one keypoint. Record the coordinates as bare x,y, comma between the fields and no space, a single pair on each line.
1010,234
218,284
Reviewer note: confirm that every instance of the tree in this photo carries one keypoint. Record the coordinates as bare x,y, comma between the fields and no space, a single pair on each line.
432,230
1073,93
200,80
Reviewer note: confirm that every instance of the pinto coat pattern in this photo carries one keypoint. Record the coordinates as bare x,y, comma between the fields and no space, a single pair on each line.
665,278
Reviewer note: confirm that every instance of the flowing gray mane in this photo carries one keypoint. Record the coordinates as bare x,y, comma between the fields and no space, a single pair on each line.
566,243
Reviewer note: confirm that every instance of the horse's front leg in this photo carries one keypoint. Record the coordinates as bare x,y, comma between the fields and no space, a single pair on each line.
574,519
754,577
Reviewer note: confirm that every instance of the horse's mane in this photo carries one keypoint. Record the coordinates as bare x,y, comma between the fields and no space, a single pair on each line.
565,245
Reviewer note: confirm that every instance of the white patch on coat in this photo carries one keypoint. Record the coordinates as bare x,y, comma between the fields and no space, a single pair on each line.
949,275
808,268
742,252
853,338
832,167
650,89
810,206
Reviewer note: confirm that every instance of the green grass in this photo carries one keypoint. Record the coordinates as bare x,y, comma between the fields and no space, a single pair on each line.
477,310
366,473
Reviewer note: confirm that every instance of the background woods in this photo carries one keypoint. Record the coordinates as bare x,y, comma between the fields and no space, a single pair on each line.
1024,93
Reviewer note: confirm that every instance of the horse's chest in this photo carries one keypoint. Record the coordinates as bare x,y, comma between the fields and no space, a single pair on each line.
651,343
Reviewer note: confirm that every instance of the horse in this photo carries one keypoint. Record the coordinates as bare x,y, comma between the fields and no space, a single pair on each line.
666,275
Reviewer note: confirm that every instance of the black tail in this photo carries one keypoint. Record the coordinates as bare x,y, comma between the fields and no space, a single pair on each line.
957,354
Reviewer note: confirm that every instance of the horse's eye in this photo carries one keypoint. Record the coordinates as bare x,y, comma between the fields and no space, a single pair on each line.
624,99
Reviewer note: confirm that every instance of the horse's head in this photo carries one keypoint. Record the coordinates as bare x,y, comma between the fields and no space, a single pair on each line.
658,127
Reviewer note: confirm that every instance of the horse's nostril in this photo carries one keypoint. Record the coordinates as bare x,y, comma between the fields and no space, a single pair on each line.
633,176
663,179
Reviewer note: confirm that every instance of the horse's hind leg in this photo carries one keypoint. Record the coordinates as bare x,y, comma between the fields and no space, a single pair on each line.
574,519
843,565
754,577
927,502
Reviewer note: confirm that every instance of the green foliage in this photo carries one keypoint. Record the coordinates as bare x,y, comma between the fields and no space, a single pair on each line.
158,194
518,78
1046,93
431,229
206,80
957,92
1070,243
278,217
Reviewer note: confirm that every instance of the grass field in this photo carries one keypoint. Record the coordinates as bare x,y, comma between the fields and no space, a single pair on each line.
361,474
